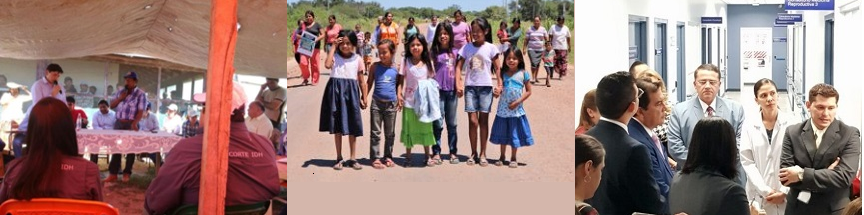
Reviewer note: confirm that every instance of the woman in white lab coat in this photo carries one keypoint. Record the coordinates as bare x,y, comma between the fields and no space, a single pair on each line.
761,146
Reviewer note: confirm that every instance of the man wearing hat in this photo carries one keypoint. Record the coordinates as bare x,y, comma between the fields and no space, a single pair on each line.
191,126
12,104
45,87
129,104
273,97
252,172
172,121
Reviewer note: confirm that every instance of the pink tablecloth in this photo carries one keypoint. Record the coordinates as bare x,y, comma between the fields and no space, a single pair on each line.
120,141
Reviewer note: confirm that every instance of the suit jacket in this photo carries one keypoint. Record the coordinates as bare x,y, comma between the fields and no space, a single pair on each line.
627,184
707,192
661,170
683,120
829,187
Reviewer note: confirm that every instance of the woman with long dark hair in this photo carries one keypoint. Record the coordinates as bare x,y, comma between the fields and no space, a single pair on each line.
706,184
50,166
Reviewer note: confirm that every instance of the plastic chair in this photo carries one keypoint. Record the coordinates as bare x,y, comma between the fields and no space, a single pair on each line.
259,208
50,206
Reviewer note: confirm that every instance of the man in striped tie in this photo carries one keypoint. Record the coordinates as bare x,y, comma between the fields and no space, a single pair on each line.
706,104
650,114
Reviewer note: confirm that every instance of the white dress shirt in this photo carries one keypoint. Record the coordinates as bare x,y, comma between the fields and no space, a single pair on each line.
260,125
705,107
622,125
103,121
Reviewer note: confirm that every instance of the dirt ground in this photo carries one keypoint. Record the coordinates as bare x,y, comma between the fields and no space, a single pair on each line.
550,111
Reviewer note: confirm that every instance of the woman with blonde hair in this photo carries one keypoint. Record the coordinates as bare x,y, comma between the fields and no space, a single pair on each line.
589,115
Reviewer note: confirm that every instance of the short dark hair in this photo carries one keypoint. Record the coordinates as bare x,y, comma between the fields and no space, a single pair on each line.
824,90
309,12
713,146
103,102
647,87
588,148
560,18
759,84
612,92
70,99
634,65
708,67
54,68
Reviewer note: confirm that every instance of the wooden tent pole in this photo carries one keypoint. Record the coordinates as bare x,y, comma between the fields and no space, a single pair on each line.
220,70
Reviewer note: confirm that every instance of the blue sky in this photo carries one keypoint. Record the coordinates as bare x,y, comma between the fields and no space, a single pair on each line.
467,5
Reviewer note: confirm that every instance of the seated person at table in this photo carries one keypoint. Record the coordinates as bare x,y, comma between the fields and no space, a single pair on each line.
51,167
148,121
104,118
76,112
252,173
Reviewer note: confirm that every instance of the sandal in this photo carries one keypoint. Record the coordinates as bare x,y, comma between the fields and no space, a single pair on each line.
513,164
389,162
378,164
355,165
484,162
437,159
454,159
471,161
339,164
499,163
430,162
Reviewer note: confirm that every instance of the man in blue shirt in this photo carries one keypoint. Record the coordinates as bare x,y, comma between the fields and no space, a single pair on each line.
129,104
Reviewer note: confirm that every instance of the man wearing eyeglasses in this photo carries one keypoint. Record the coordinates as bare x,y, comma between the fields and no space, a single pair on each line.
707,104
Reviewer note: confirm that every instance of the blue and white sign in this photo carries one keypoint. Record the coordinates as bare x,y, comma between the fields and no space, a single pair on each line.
712,20
634,52
790,17
778,22
779,39
810,5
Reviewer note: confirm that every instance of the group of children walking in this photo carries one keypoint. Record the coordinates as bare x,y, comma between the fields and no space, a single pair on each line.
426,88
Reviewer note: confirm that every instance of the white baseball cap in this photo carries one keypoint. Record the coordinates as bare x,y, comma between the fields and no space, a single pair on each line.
172,107
238,97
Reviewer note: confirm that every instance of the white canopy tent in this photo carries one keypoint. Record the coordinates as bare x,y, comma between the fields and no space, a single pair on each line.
176,31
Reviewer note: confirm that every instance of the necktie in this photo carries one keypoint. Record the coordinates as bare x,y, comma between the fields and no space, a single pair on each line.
657,143
710,111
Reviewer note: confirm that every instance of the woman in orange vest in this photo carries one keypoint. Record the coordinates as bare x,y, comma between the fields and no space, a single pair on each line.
389,29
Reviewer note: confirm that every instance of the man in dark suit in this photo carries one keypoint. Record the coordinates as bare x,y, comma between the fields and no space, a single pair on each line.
649,115
628,184
809,148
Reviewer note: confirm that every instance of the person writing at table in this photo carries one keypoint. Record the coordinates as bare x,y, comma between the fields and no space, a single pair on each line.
252,173
51,167
129,105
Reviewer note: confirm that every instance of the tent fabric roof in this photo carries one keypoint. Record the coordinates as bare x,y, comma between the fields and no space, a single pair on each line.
172,30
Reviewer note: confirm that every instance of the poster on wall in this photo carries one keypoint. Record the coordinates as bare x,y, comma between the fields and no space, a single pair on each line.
755,54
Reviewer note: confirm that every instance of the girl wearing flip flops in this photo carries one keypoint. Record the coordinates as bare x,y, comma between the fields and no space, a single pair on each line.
340,107
417,68
385,79
476,61
511,125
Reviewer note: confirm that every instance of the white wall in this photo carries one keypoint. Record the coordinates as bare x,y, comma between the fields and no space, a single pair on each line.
848,52
815,43
604,49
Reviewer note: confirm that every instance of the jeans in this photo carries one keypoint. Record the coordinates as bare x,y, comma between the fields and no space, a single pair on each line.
18,144
449,101
383,113
114,164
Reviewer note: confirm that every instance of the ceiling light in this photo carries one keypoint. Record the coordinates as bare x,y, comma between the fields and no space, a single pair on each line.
147,7
170,29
